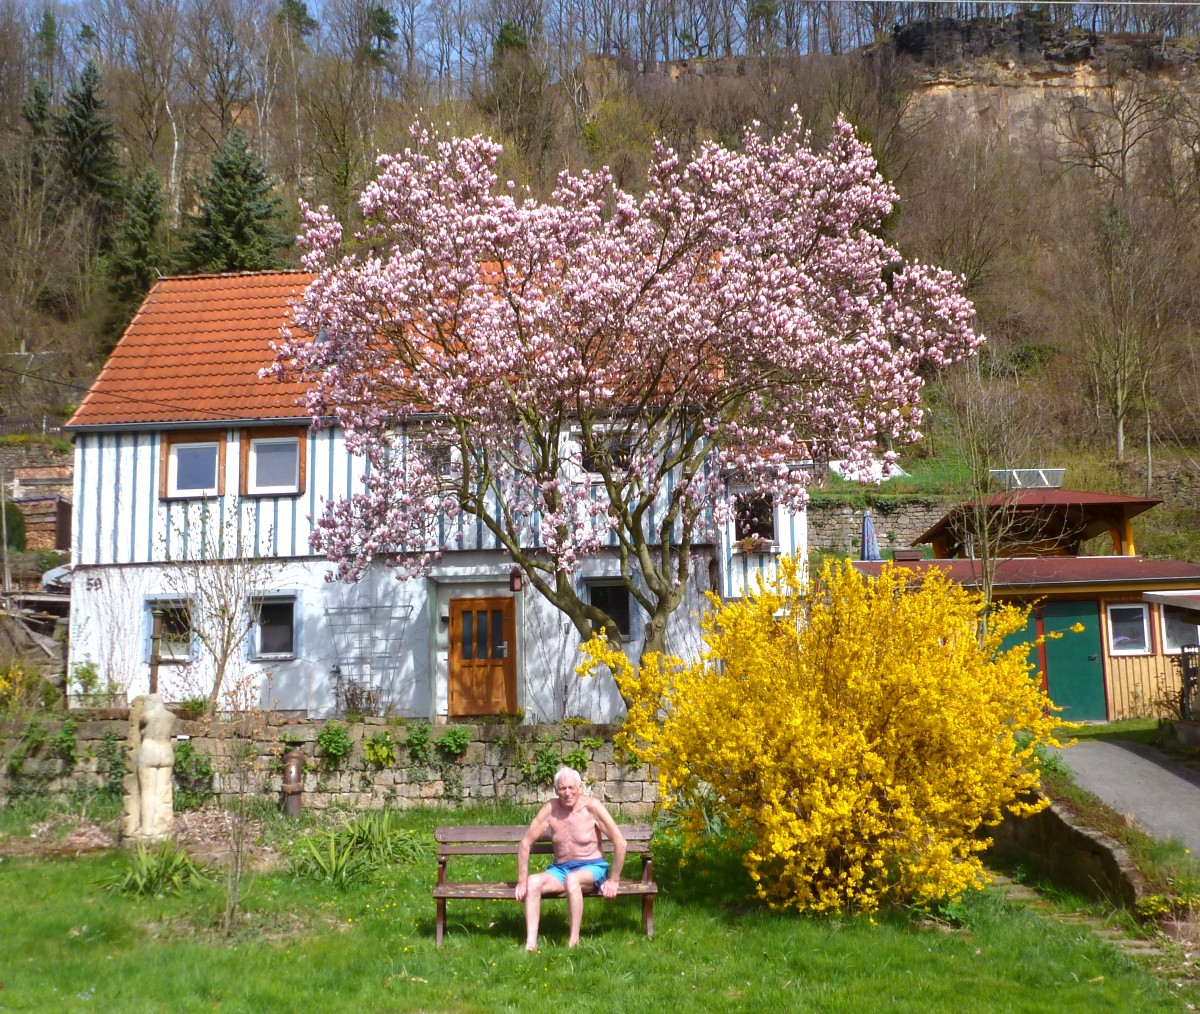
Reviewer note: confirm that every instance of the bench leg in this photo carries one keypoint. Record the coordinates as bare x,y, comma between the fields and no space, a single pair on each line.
441,920
648,916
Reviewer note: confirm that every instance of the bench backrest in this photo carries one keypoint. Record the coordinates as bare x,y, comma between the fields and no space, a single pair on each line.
503,839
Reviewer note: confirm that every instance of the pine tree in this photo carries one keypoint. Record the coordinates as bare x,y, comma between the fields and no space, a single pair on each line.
88,152
237,228
137,256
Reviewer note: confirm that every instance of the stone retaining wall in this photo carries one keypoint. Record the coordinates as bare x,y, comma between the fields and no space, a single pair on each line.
496,764
1071,855
837,527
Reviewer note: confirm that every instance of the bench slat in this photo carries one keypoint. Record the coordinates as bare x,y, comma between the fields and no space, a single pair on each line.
633,848
468,890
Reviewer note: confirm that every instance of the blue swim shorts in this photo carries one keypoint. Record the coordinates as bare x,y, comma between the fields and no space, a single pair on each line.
597,867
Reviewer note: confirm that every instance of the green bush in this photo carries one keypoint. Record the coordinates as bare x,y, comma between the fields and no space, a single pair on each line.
418,743
453,743
334,743
193,777
166,870
14,523
547,759
344,856
380,751
110,762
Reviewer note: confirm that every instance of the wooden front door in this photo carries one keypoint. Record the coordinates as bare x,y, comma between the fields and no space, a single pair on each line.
483,661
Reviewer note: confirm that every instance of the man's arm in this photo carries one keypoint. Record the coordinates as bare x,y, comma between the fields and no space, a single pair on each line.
609,888
537,828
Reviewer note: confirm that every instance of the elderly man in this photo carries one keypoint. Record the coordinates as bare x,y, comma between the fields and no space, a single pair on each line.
574,823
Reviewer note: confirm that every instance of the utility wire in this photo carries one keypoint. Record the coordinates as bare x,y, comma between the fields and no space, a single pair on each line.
118,397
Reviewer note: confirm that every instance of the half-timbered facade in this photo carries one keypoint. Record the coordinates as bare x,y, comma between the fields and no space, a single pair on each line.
196,488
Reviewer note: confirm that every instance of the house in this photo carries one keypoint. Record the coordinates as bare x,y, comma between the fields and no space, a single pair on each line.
189,465
1122,618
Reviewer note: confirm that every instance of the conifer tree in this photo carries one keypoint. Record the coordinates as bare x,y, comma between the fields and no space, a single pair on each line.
137,256
88,153
238,225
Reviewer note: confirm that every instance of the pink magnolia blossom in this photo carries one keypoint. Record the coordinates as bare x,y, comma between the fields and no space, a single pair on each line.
742,317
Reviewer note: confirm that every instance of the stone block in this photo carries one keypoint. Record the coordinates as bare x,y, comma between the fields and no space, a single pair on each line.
624,792
473,754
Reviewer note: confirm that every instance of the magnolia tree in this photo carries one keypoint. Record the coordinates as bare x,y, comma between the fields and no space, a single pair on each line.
598,368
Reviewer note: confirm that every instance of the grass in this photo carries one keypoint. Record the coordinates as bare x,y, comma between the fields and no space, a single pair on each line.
67,945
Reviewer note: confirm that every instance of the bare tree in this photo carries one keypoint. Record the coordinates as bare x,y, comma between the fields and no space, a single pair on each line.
991,427
215,569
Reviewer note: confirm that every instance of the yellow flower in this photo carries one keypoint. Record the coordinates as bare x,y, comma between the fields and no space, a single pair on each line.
858,735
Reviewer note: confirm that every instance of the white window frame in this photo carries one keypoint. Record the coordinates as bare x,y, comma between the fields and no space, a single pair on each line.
1167,649
256,650
1146,631
252,487
602,582
173,489
741,496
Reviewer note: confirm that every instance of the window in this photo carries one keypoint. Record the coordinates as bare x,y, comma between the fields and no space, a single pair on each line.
192,465
447,463
754,518
1128,629
174,628
273,462
275,628
611,451
614,600
1179,628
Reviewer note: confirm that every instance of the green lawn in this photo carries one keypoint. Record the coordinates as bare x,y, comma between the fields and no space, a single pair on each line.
65,945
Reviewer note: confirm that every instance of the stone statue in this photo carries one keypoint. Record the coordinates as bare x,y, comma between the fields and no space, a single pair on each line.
149,790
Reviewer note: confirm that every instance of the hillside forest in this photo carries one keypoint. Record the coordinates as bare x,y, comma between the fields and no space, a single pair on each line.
1050,155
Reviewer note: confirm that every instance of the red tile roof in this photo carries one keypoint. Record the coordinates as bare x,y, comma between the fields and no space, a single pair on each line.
1063,573
193,352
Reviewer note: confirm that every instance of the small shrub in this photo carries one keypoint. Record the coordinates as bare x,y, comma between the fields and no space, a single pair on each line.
419,750
334,743
577,758
65,744
166,870
327,856
110,763
453,743
380,751
379,835
546,760
193,777
191,708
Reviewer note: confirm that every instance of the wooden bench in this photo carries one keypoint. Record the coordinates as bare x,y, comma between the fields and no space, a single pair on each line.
483,840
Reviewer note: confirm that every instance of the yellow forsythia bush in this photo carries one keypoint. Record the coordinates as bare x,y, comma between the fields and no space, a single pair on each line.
855,733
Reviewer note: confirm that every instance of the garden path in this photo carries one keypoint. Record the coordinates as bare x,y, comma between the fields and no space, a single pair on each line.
1136,780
